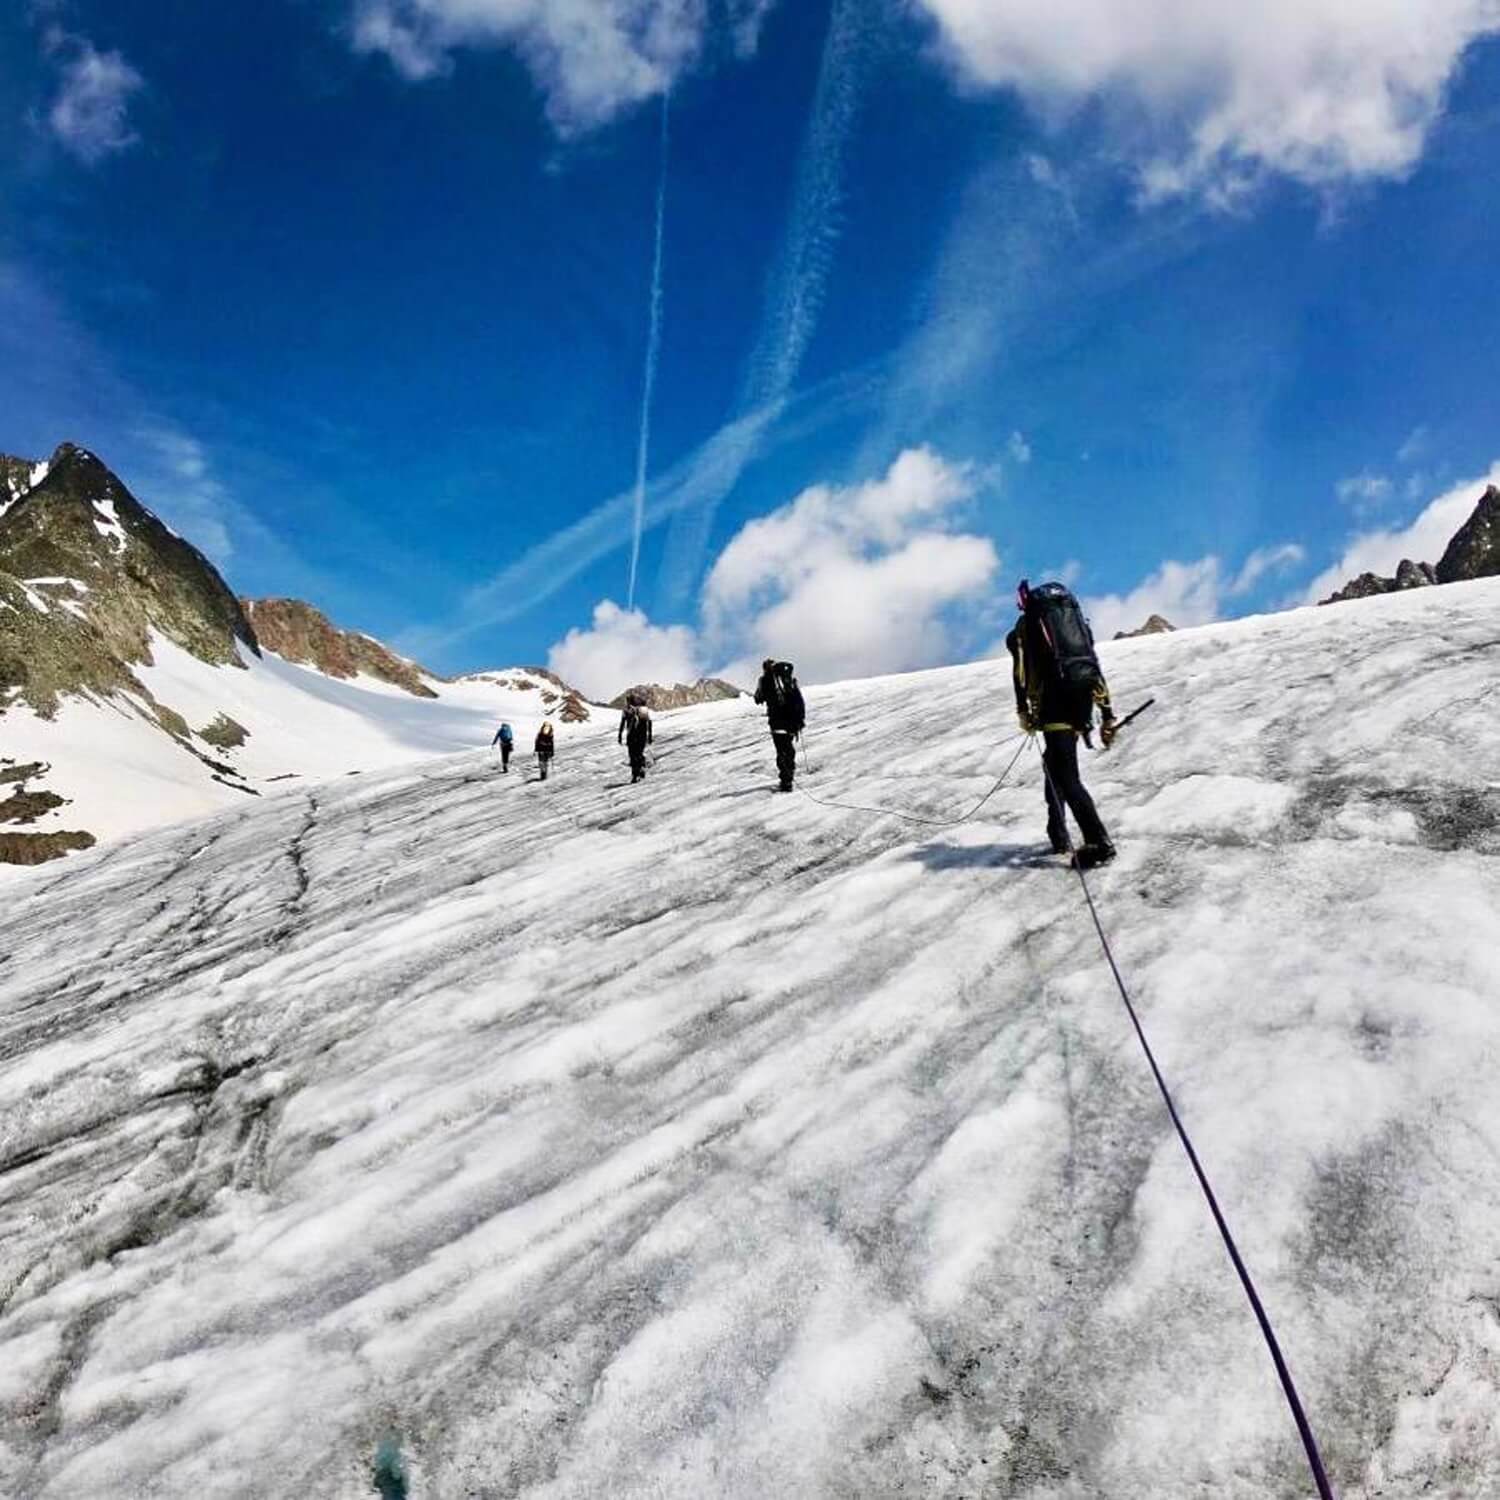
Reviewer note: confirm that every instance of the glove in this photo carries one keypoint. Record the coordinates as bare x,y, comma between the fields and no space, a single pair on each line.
1028,723
1108,729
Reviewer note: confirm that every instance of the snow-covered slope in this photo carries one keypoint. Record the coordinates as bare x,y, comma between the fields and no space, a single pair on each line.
685,1140
120,773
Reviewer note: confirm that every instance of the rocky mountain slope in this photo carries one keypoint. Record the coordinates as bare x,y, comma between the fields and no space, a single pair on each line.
89,575
688,1141
683,695
135,688
553,695
1473,552
297,632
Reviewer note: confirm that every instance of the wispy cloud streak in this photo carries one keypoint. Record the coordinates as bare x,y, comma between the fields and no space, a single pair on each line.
711,469
653,353
798,281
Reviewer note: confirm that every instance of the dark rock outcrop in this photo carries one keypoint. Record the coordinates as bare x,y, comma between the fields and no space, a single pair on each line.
1474,551
38,848
1409,575
682,695
1155,625
299,633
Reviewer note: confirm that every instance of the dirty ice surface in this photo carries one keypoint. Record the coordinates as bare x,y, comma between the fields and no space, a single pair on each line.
689,1140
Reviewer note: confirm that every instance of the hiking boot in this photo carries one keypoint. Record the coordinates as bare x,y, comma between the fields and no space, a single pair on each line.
1059,845
1089,856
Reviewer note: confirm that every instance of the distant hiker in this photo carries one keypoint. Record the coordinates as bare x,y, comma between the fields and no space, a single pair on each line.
786,713
546,747
637,732
505,737
1058,683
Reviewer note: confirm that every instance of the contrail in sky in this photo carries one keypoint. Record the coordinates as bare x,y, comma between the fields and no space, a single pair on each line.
653,355
794,296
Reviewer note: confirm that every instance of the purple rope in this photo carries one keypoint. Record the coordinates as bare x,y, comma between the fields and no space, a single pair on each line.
1304,1427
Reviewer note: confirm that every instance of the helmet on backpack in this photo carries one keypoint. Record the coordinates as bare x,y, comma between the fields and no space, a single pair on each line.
1023,595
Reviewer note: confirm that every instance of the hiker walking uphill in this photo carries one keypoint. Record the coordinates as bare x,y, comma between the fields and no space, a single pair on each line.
637,732
505,737
786,713
545,747
1058,684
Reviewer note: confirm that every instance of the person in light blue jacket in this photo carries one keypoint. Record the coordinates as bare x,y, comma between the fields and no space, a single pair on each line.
505,737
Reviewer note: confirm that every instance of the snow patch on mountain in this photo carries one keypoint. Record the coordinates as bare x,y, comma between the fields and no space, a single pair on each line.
120,773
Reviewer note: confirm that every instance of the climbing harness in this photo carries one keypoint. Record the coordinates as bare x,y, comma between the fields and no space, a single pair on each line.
891,812
1304,1427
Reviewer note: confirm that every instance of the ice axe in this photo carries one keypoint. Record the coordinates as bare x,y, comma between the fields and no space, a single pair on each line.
1129,718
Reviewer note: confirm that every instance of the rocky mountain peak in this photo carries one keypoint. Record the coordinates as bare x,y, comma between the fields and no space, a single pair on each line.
1155,625
87,573
1474,551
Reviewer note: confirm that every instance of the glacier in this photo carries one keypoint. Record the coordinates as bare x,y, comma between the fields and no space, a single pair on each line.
583,1139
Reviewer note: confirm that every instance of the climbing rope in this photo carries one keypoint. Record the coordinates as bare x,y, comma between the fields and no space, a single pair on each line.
891,812
1304,1427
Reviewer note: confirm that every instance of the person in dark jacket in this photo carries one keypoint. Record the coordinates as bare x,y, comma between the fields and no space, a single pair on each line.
505,737
785,712
637,732
545,747
1060,712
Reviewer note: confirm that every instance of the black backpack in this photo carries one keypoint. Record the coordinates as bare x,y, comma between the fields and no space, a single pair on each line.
784,694
1068,641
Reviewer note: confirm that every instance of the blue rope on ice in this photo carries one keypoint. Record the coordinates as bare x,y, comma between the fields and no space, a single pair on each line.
1304,1427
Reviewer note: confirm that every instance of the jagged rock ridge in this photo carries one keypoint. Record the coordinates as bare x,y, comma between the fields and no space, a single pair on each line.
1409,575
297,632
681,695
1474,551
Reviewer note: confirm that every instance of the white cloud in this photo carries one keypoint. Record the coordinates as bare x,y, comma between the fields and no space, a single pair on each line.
1263,561
1187,593
1019,449
1424,540
90,115
1365,491
1184,593
853,581
591,59
1321,90
845,582
623,649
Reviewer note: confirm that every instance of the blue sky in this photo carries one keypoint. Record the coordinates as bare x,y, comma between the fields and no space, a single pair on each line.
357,293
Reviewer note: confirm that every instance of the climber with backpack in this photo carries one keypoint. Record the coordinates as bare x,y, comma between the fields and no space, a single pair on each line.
505,737
546,748
1059,683
786,713
637,732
